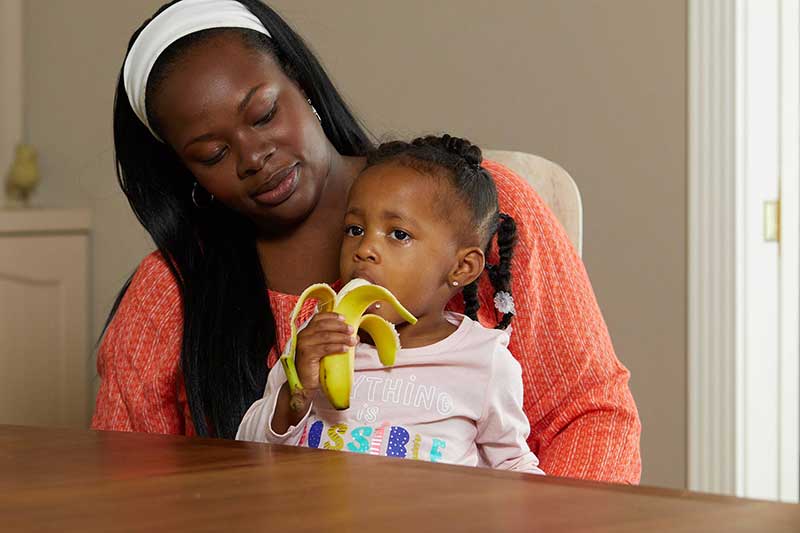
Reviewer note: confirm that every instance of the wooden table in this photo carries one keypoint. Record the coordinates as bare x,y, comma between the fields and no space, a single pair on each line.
69,480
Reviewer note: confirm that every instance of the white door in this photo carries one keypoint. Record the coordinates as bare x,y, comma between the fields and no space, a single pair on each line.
744,269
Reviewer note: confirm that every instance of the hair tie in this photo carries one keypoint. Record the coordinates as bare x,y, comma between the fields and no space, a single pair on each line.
178,20
504,302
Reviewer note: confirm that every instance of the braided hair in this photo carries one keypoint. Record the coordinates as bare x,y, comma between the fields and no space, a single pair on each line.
460,161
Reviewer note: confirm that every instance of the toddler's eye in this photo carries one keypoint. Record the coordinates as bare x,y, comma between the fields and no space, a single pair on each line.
353,231
400,235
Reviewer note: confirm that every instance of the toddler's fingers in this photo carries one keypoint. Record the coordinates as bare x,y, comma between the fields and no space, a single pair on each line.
328,322
324,350
330,337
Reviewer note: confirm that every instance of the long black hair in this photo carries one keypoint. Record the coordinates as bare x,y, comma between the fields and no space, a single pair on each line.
228,326
461,162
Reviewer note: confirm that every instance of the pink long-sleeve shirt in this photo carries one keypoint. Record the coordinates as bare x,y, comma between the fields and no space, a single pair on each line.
456,401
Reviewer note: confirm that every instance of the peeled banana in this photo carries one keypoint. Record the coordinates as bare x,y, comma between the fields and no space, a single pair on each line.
336,370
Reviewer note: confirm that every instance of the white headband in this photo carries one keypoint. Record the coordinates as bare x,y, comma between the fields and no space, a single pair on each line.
178,20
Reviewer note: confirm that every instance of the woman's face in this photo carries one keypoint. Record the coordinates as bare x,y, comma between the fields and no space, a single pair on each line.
245,130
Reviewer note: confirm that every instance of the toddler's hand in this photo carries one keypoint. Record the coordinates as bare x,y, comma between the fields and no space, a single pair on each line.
325,334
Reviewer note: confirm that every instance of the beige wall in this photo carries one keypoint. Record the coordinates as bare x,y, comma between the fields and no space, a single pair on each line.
10,84
73,51
596,85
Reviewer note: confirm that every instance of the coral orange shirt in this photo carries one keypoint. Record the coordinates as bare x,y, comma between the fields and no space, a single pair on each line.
583,419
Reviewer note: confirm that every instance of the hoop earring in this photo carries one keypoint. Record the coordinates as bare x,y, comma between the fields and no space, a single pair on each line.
314,110
194,198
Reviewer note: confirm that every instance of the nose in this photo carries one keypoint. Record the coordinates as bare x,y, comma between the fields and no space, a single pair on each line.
254,152
366,251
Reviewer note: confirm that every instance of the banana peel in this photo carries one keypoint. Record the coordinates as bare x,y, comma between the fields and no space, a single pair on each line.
336,370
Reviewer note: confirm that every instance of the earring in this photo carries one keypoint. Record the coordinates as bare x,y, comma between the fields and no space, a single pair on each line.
314,109
377,306
194,198
455,284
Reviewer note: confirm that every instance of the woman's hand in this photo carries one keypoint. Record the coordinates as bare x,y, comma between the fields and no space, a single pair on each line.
325,334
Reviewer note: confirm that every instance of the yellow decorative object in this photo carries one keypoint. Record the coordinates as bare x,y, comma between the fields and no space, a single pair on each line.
23,176
336,370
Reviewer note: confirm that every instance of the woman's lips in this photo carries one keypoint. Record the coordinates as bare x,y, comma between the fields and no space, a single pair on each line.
283,190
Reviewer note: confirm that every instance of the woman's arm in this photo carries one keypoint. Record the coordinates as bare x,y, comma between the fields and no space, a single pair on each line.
584,422
139,357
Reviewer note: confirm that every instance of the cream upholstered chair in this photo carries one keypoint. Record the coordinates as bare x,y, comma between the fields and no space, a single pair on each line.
553,184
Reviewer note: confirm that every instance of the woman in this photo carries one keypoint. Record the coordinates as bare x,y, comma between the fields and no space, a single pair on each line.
236,153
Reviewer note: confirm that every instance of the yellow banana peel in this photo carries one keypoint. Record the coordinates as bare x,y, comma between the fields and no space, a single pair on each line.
336,370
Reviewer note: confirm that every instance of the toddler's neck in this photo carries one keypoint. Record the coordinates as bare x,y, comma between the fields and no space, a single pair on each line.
427,331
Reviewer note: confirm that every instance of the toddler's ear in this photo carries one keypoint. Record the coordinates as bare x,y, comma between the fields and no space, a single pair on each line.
468,267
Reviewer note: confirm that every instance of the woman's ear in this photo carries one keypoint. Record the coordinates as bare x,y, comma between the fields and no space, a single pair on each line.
469,266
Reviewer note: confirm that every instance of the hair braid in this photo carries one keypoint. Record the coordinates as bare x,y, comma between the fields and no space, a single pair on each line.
471,302
500,274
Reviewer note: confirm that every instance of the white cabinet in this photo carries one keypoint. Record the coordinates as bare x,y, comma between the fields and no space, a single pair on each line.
45,350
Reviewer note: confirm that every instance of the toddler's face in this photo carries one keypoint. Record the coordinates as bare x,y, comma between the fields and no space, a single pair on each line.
397,238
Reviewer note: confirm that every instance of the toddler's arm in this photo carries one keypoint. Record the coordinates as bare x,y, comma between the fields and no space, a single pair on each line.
272,419
503,427
256,424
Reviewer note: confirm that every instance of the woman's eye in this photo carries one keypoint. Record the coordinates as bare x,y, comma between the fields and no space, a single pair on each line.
266,118
216,158
353,231
400,235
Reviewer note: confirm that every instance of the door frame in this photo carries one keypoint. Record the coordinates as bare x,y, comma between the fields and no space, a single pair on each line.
743,291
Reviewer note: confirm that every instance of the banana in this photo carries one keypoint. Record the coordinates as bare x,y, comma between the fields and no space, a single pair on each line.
336,370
